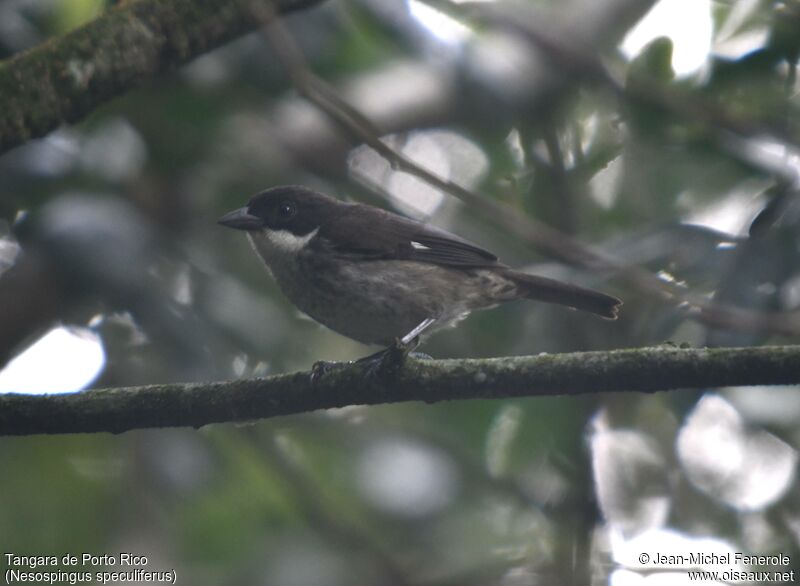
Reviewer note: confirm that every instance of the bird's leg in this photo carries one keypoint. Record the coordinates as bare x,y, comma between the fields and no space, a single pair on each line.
402,347
413,335
393,357
382,361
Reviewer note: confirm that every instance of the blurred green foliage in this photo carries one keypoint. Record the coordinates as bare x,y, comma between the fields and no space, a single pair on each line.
72,14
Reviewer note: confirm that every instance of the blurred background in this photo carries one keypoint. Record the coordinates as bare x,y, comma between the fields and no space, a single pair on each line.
662,134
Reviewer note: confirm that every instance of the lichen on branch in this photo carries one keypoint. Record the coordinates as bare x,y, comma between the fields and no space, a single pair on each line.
68,77
196,404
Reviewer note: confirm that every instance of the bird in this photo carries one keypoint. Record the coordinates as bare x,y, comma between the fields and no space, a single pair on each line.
381,278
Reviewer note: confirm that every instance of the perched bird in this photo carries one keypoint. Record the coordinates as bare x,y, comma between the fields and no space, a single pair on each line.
378,277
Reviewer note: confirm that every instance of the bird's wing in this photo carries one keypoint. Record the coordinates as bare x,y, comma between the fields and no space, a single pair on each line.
373,234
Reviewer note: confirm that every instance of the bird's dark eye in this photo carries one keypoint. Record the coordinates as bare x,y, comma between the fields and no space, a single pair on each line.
286,210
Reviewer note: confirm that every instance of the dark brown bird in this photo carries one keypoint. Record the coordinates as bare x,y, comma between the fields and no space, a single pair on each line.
377,277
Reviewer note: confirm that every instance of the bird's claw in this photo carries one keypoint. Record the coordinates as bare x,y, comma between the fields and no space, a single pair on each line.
379,365
388,361
323,367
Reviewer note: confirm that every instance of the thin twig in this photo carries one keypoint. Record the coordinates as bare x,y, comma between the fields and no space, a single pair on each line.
564,200
540,236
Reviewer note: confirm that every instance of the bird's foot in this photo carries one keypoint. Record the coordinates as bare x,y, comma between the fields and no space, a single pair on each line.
323,367
379,365
388,361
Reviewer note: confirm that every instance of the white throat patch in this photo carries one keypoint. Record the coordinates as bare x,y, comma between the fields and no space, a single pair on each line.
288,242
280,241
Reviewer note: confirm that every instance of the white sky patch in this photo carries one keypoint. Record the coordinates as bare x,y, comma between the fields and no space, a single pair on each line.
732,214
770,154
443,152
438,23
724,456
687,22
411,194
62,361
407,478
729,216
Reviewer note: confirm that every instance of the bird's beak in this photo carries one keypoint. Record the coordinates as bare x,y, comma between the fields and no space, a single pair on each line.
240,220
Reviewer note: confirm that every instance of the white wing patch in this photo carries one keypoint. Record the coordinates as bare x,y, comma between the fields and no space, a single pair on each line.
418,246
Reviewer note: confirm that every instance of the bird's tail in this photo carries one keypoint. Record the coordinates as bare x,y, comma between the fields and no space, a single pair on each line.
552,291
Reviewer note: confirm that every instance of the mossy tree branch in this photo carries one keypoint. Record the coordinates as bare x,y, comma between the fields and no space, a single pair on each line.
170,405
68,77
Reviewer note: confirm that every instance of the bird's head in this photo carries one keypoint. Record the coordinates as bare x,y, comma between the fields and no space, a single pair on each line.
283,220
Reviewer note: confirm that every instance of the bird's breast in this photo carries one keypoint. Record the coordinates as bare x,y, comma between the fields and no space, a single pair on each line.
371,301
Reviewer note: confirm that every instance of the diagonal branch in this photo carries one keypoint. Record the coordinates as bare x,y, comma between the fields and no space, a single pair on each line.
538,235
68,77
195,404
